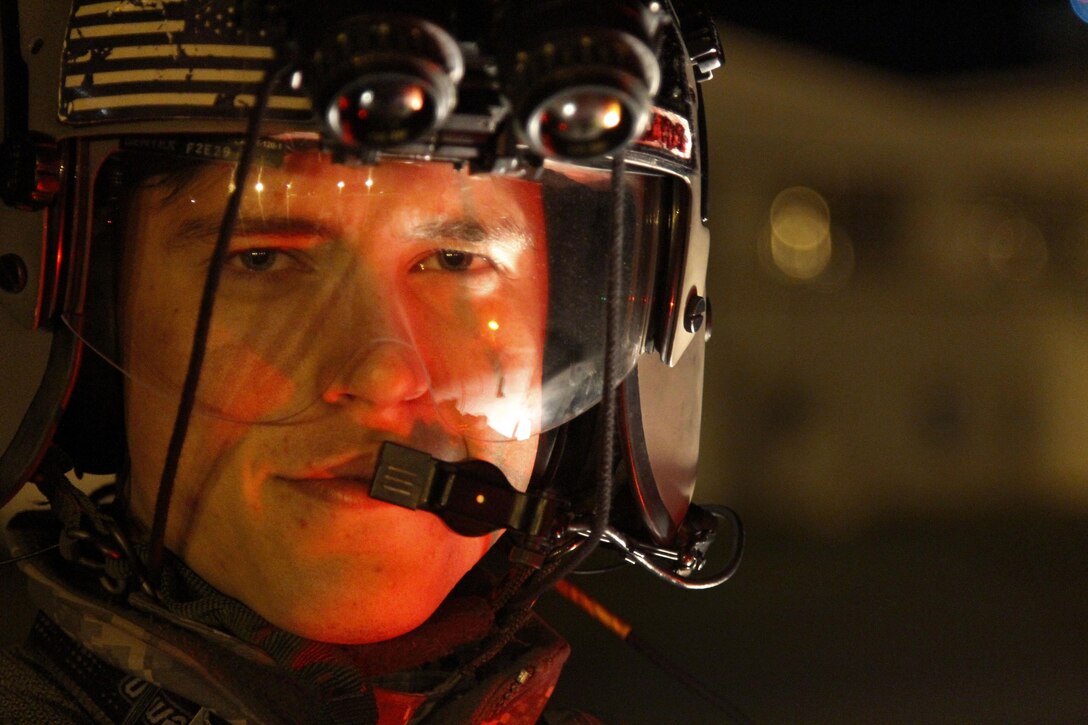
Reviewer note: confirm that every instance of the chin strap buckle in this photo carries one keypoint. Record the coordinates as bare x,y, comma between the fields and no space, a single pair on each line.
90,537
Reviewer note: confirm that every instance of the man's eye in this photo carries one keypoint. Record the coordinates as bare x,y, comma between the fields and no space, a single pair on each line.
455,261
452,260
256,260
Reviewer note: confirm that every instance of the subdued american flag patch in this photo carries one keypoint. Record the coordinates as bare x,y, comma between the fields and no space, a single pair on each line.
132,60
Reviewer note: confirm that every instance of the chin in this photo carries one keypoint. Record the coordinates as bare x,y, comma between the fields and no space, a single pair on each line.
349,623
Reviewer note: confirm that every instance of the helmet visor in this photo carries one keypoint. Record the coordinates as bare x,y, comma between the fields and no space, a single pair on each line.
477,299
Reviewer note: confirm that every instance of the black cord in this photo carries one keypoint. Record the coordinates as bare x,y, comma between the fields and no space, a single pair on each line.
203,324
623,563
516,612
28,555
686,678
623,630
609,407
600,570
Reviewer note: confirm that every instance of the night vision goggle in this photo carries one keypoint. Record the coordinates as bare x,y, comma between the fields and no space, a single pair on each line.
577,78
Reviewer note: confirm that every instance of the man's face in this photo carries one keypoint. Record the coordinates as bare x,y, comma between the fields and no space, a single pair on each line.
401,302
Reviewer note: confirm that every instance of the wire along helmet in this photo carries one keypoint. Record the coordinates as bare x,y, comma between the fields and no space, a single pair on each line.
432,189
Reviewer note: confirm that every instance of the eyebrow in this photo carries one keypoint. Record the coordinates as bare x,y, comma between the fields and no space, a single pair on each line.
203,229
473,231
467,231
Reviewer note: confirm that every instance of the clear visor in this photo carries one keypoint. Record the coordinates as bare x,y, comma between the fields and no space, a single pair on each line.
472,300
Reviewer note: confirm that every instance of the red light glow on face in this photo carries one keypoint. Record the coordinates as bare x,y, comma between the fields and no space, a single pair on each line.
243,385
348,314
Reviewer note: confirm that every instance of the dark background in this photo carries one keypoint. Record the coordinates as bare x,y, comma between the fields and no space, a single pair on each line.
959,594
925,38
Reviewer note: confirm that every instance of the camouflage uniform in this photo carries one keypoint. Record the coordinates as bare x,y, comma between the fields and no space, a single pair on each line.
195,655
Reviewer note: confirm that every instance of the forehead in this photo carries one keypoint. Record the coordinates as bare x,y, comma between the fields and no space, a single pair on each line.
309,182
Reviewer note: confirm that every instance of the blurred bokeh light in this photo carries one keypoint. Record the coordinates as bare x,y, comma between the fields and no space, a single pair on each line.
800,233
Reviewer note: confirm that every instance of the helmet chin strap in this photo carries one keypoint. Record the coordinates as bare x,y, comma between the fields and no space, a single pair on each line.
203,324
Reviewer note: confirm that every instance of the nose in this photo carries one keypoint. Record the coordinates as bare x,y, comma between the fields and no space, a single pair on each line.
385,373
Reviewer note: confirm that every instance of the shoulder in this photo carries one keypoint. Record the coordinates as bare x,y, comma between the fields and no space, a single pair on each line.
30,693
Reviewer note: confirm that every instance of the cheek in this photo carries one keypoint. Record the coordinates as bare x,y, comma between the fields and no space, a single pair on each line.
236,382
208,451
155,347
239,384
484,355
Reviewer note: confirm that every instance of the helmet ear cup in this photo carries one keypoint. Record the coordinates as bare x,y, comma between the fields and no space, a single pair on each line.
662,411
655,460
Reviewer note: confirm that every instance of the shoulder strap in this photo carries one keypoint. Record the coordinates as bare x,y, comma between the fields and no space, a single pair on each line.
125,698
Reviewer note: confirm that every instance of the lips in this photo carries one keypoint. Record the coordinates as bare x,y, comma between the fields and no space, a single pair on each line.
348,466
346,482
